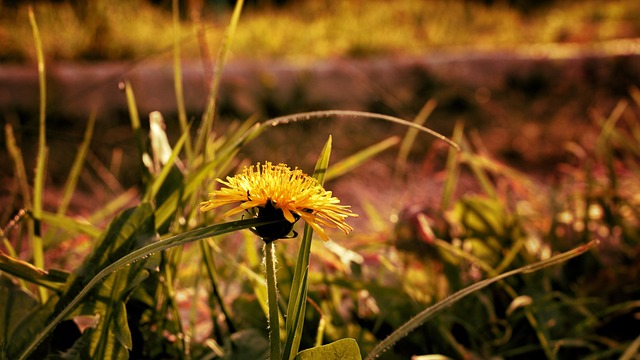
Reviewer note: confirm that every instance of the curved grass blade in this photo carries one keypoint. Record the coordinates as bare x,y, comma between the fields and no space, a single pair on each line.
141,253
433,310
410,136
355,114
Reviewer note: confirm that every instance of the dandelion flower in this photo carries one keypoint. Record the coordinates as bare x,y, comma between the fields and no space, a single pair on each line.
277,192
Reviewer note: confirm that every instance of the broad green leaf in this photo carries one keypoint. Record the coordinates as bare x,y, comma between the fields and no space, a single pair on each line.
343,349
16,304
26,271
29,327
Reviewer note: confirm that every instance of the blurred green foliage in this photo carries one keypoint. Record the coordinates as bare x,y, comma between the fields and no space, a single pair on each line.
307,30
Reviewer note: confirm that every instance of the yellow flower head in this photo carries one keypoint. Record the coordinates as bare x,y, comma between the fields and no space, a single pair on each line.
278,191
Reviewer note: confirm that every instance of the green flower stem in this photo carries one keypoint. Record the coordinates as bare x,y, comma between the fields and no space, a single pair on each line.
272,298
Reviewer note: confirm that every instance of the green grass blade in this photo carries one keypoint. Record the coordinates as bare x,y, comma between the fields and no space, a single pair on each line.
108,210
207,258
139,254
632,351
433,310
70,225
177,80
481,175
297,296
38,186
452,169
410,137
305,116
359,158
76,168
23,270
139,136
207,122
18,164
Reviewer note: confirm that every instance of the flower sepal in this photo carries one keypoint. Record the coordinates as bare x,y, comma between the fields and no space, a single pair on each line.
283,229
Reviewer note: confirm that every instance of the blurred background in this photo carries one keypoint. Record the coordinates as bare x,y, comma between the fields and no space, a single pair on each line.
526,73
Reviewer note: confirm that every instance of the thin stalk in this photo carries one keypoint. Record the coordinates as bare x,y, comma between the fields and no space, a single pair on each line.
177,80
207,259
272,298
38,186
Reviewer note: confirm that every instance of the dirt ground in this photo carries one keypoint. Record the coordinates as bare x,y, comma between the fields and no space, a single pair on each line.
522,107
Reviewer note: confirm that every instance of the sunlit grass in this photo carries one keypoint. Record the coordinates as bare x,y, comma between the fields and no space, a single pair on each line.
312,29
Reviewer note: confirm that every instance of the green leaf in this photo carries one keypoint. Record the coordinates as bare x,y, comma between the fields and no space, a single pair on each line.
343,349
28,272
76,168
482,217
361,157
16,304
71,225
121,327
410,137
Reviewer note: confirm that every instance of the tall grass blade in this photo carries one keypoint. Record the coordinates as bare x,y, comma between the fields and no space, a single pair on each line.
109,209
76,168
70,225
481,175
452,169
359,158
18,163
410,136
207,258
298,293
138,135
632,351
38,186
207,121
433,310
177,80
